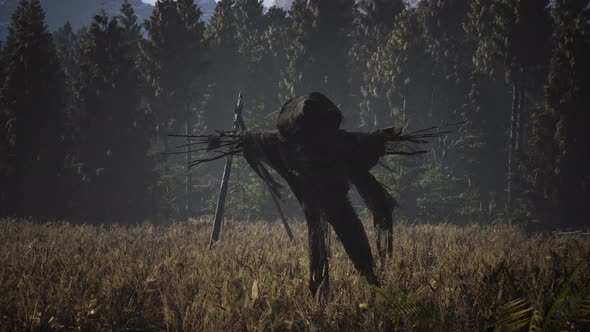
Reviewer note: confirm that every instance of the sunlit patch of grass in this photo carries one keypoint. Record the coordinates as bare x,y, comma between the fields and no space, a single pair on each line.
61,277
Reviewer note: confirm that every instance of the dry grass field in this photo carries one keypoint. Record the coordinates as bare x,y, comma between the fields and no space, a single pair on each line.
88,278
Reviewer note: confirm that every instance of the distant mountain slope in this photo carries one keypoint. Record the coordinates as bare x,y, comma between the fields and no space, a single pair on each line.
286,4
80,12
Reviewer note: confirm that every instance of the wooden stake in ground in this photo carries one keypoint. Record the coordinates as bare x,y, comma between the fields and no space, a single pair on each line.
225,181
220,208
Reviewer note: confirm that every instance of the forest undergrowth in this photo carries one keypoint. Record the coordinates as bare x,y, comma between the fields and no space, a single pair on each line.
57,276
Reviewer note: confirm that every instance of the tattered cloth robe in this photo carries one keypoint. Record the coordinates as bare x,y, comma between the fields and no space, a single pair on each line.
319,161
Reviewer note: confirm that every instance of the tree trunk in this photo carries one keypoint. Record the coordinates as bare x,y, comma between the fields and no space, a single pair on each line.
520,121
514,115
189,180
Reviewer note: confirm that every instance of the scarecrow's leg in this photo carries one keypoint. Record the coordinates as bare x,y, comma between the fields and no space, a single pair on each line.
351,233
318,253
381,204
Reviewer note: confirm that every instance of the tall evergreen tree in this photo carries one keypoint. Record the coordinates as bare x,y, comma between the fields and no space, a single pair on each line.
489,103
256,76
113,137
240,57
374,20
319,55
131,28
330,44
560,158
172,58
402,70
379,13
515,35
171,61
275,42
397,79
420,77
66,44
32,98
235,33
222,30
249,15
298,56
225,64
4,142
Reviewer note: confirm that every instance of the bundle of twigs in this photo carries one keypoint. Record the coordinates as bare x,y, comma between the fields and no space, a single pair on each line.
223,143
388,141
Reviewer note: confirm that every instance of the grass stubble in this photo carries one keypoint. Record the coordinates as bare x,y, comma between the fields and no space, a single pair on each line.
57,276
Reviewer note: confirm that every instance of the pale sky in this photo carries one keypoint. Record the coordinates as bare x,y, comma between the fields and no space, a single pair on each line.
267,3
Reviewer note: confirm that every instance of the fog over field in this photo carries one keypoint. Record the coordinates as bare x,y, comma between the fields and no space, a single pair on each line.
429,160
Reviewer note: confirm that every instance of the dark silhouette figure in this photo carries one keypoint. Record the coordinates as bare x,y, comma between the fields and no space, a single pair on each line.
319,161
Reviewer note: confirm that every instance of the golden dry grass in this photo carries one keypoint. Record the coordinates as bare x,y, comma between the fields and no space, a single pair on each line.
63,277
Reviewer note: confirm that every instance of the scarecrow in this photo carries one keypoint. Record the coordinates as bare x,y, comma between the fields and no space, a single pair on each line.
319,162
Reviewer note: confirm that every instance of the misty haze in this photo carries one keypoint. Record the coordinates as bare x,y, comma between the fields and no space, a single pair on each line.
301,165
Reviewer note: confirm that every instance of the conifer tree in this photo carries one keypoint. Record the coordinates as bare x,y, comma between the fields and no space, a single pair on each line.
238,59
234,34
131,28
512,40
560,159
255,76
171,60
4,144
319,55
374,20
489,104
66,45
275,41
224,63
402,70
113,139
31,99
249,15
298,56
330,44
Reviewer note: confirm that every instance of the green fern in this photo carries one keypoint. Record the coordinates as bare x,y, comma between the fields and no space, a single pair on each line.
536,321
395,305
569,310
513,316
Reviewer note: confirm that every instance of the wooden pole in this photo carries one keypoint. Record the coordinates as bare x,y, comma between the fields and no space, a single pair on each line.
238,125
224,181
512,138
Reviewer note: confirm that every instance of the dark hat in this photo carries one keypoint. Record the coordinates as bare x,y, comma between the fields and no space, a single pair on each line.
309,116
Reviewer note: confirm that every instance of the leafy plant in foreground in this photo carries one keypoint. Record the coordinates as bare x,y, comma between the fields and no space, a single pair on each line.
397,306
569,310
